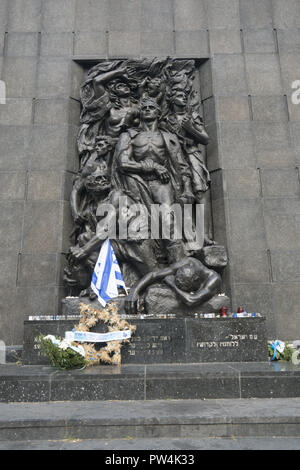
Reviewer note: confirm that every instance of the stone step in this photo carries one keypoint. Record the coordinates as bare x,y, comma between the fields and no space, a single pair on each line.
150,382
194,419
160,443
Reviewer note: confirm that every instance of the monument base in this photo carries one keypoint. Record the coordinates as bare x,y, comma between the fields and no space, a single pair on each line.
165,338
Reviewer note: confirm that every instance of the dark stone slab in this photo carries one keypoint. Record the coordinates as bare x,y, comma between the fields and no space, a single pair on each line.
16,390
169,339
149,382
192,388
81,389
226,340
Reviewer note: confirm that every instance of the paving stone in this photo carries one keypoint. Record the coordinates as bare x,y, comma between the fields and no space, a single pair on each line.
237,145
11,227
91,43
271,135
280,182
282,230
269,108
58,15
247,224
53,77
250,266
92,15
44,185
225,41
295,126
285,265
2,41
56,111
243,183
157,43
263,74
290,70
275,158
124,43
294,108
19,75
48,147
16,112
3,14
191,44
12,185
41,227
13,144
259,41
37,270
124,16
190,15
233,108
33,301
22,44
24,15
56,44
286,14
157,15
229,75
256,13
8,269
223,14
288,40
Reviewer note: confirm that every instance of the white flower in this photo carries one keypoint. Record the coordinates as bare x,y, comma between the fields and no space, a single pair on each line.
79,350
53,339
64,344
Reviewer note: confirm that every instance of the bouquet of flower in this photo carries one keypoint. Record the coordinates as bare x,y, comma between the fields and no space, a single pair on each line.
62,353
280,350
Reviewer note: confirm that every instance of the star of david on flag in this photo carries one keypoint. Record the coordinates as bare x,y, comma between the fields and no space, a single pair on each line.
107,276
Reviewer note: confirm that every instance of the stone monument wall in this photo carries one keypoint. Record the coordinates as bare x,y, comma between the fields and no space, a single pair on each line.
249,56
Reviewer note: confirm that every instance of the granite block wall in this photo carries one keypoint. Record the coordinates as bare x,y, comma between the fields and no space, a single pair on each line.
252,55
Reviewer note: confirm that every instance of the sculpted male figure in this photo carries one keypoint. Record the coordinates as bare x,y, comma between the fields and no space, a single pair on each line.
150,167
192,282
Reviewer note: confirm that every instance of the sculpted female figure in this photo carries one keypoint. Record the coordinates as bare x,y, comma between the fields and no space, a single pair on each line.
189,128
108,105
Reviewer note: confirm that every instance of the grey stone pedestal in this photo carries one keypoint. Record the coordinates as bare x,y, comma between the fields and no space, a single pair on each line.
165,338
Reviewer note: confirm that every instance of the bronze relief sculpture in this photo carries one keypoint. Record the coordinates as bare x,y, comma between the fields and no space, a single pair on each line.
141,147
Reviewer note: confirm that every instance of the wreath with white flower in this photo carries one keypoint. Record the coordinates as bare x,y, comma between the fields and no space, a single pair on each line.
73,355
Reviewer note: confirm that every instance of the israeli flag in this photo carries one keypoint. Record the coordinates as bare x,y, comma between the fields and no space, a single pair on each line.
107,275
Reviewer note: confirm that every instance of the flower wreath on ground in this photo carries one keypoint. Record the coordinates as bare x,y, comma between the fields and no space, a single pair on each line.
71,354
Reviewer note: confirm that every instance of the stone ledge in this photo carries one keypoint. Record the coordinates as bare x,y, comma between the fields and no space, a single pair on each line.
166,339
149,382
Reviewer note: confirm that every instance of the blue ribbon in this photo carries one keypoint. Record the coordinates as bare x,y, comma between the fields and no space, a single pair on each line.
274,346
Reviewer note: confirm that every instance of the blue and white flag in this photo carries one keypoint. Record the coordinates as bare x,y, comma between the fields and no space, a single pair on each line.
107,276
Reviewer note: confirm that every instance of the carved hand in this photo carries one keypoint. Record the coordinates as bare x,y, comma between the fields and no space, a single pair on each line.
170,280
79,219
186,121
162,173
75,254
